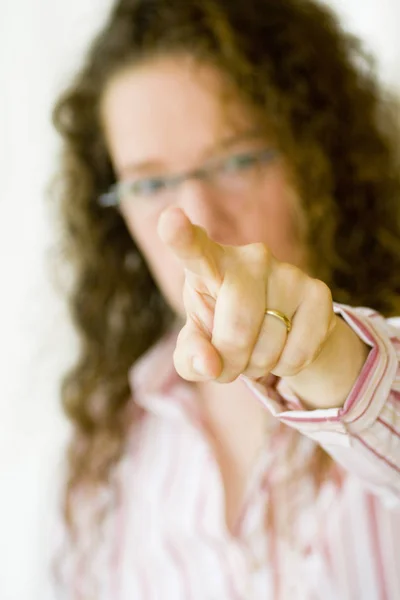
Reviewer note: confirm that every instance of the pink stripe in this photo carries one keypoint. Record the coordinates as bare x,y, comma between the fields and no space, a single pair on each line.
396,395
201,504
366,371
120,526
347,539
362,381
388,426
237,526
262,485
166,490
361,326
220,552
212,542
170,477
380,456
165,482
122,514
373,358
251,500
327,553
274,555
380,571
308,420
145,591
79,580
369,363
180,566
168,487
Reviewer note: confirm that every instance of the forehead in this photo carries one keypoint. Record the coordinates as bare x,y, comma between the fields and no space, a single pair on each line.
170,110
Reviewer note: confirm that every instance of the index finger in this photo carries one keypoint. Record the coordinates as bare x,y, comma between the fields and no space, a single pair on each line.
197,252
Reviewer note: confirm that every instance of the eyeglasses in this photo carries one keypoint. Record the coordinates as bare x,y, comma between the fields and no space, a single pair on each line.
232,173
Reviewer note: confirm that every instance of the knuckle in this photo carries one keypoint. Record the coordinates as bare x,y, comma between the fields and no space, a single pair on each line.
231,376
233,364
264,363
320,291
289,275
236,338
233,344
234,353
332,324
259,254
295,361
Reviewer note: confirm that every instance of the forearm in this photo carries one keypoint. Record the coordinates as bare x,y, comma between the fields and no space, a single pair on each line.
327,382
362,432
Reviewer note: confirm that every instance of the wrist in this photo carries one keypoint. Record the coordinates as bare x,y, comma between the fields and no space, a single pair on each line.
327,382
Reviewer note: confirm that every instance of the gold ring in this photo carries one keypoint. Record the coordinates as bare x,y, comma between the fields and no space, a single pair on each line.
281,317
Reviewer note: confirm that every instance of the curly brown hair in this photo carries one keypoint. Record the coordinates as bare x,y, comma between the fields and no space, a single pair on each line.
308,81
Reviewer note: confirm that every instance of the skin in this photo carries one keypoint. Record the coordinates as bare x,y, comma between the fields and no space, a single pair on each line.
147,114
221,259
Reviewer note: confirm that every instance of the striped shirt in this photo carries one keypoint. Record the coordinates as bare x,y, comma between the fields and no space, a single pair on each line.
170,540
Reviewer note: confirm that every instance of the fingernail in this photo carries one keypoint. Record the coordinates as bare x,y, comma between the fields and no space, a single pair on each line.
199,365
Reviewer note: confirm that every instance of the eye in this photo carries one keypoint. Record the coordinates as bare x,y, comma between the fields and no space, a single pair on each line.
240,162
149,187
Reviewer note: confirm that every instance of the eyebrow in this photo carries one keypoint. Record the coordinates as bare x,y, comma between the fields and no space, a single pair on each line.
147,166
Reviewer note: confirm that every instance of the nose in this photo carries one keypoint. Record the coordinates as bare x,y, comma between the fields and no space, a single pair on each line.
207,208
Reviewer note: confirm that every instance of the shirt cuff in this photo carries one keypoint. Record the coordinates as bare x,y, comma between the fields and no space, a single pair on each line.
366,399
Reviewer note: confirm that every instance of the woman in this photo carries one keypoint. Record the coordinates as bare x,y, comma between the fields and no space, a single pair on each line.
231,198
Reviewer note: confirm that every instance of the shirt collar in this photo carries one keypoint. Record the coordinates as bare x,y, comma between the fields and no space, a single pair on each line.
153,370
155,384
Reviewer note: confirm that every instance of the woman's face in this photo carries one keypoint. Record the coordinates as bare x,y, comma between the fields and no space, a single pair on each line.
166,117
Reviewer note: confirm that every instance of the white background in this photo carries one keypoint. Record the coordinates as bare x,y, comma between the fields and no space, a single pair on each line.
40,43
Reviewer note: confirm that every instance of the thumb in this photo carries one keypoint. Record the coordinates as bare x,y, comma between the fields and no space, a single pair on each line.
195,358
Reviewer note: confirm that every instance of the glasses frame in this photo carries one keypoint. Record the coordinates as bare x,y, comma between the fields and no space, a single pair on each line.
112,198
